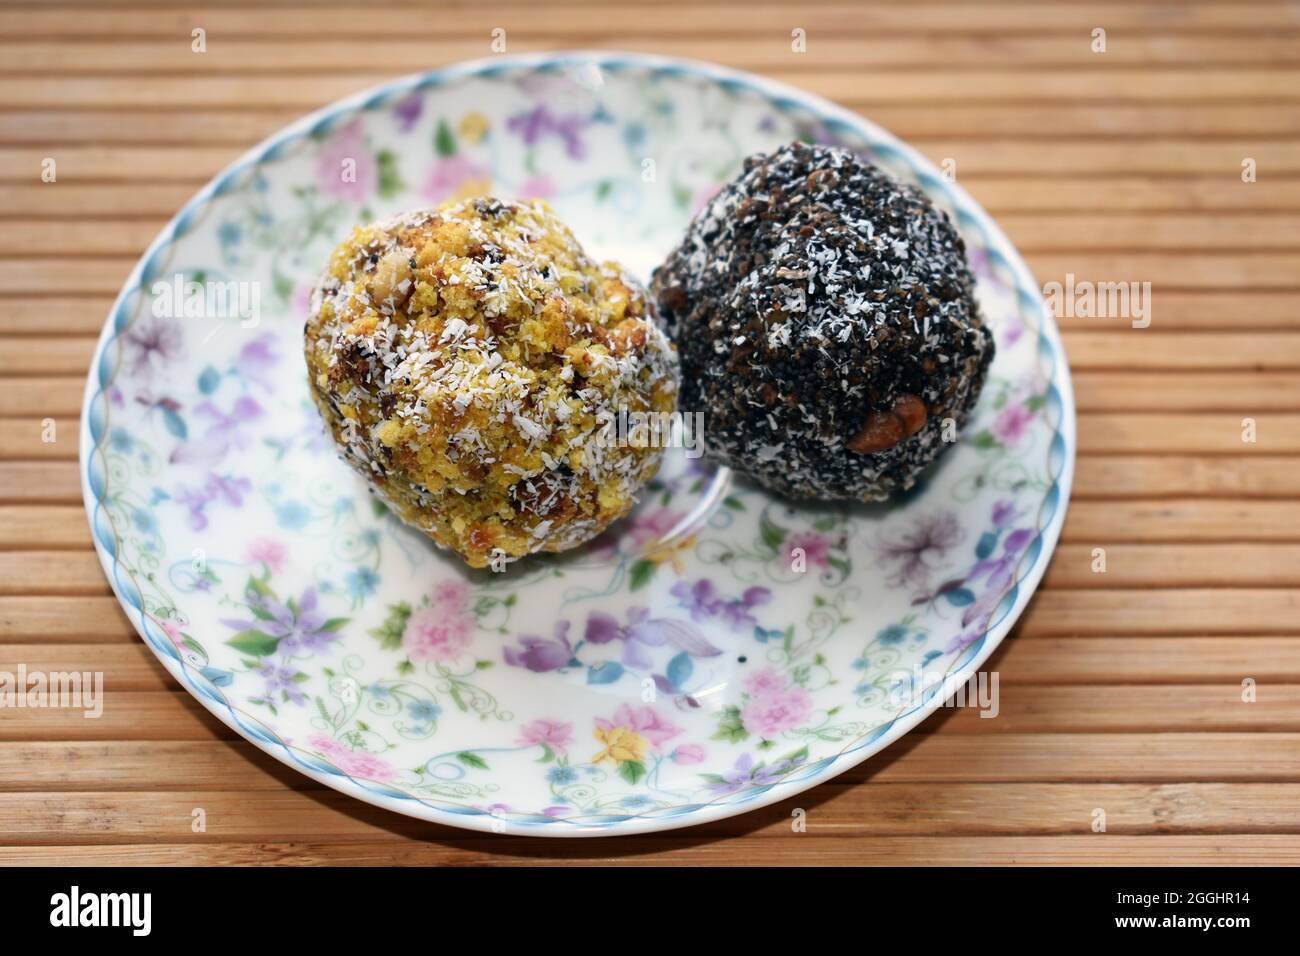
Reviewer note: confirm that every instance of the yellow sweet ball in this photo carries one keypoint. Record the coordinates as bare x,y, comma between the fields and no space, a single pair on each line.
468,361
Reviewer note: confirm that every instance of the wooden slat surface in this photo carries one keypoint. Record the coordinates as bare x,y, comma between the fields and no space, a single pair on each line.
1120,689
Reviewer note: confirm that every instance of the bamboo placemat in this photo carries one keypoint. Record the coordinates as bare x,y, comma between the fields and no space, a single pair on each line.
1120,691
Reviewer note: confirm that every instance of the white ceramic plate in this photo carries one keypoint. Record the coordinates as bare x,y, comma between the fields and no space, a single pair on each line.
680,669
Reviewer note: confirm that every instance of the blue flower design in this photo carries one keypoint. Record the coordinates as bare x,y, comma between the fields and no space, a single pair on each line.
423,711
561,775
229,233
894,634
292,515
120,440
360,582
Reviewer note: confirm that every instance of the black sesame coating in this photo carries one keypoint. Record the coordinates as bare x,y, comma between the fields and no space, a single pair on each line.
827,325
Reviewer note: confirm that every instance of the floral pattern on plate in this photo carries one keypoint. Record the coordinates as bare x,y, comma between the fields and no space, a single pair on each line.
717,650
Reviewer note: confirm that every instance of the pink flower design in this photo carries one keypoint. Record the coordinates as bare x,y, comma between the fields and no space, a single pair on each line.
764,682
451,595
648,526
816,547
345,169
641,528
644,721
689,753
434,635
771,714
1012,423
550,733
327,746
539,186
355,763
301,298
362,763
451,175
171,630
268,551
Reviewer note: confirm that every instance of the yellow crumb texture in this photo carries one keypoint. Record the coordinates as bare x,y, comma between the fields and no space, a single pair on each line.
468,361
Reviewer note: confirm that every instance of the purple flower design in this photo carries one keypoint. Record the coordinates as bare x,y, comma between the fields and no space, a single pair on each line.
540,654
256,361
225,432
643,632
698,598
639,635
746,774
1012,423
298,625
916,553
979,261
1004,512
996,574
151,343
703,602
222,489
281,682
736,613
532,127
407,111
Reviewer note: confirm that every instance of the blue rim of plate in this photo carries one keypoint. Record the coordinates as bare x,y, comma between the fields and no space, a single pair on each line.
1059,409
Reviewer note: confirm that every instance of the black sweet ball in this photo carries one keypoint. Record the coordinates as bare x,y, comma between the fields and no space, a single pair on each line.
827,326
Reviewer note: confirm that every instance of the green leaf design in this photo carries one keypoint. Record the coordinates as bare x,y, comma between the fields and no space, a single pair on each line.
334,624
390,180
389,634
471,759
443,141
641,573
258,588
631,770
254,643
771,532
730,728
282,285
795,757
